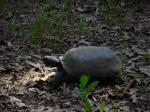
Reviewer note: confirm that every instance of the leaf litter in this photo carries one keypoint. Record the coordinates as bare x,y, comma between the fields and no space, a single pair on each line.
24,79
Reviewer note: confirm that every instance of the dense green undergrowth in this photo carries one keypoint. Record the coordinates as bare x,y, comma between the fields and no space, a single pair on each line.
49,21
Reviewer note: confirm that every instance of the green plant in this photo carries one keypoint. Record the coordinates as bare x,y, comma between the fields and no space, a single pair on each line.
81,25
66,6
84,90
57,24
146,56
141,85
37,30
39,1
102,107
13,27
114,8
121,68
108,10
123,56
48,2
107,14
10,27
122,45
56,28
121,71
3,5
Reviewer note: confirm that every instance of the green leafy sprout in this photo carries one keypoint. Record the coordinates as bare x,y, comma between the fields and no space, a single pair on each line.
102,107
82,25
84,90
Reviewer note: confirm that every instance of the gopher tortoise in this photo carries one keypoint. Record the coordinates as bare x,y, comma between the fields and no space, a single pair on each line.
97,62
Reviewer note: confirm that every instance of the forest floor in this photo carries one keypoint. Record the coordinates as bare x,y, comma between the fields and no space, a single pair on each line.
23,86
